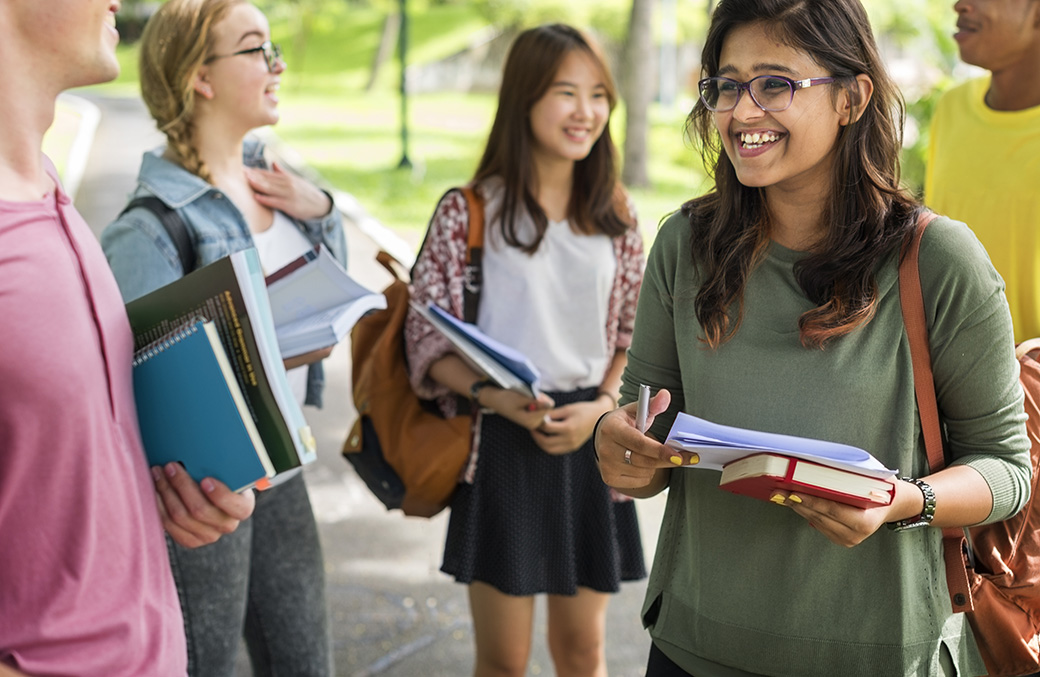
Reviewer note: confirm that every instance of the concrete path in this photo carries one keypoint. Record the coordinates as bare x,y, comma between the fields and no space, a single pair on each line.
393,613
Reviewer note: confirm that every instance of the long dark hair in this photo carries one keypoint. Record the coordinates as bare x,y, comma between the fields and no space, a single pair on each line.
534,58
867,215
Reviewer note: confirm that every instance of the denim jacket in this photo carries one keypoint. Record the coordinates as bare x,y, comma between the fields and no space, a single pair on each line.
144,258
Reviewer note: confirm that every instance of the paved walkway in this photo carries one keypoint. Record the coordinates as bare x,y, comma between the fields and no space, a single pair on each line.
393,613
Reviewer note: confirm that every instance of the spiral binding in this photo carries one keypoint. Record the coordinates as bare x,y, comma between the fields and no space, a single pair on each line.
168,340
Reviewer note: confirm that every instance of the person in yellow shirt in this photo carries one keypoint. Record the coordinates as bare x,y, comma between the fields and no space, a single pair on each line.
984,152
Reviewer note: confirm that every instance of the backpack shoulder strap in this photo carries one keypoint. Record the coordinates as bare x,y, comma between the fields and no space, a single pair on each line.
473,269
172,224
912,301
474,272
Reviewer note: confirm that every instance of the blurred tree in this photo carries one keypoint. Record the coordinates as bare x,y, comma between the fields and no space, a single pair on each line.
637,85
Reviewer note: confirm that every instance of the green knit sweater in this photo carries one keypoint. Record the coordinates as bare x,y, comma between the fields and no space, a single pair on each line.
748,585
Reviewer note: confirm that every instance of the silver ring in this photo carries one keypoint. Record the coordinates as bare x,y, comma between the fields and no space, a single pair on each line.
628,456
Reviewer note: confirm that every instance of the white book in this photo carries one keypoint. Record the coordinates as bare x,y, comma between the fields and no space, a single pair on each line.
315,302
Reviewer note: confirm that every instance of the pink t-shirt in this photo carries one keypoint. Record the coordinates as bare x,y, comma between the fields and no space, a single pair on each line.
85,582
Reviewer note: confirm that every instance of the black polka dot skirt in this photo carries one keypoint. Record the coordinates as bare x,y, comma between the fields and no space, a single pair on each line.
536,523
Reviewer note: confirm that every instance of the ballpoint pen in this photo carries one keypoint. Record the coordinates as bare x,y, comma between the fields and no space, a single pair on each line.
643,407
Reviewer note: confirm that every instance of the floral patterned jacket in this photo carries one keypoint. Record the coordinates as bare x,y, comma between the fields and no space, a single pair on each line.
438,276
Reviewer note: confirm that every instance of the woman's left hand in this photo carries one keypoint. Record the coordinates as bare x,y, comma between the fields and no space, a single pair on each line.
843,524
568,427
288,193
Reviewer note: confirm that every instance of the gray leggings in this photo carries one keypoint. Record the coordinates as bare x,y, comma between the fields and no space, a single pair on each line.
264,582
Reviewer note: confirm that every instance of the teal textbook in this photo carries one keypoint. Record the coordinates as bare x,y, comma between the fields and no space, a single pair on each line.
192,411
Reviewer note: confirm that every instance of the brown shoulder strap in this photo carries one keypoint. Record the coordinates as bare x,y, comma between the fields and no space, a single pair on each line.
912,301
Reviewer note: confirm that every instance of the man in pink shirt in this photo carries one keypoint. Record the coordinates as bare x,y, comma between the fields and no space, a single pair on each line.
85,583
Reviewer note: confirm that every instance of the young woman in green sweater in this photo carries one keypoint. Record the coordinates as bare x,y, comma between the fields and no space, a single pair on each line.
772,303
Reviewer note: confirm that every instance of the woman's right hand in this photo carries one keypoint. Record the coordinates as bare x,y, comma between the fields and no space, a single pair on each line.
631,461
519,409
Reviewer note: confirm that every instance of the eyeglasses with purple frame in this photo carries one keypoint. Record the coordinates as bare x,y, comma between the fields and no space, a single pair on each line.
772,93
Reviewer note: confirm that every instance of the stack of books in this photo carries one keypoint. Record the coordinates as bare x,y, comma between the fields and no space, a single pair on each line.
209,377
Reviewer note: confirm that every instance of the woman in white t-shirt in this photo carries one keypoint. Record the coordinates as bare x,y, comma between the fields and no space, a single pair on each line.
562,265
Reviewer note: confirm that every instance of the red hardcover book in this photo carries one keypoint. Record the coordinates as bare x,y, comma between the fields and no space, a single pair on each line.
759,475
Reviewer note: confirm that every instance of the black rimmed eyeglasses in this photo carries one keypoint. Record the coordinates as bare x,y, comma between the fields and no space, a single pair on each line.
773,93
272,54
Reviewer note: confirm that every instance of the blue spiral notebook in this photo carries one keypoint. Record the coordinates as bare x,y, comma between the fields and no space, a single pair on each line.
191,409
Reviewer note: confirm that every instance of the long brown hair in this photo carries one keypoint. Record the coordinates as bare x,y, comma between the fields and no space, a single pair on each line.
175,43
534,58
868,214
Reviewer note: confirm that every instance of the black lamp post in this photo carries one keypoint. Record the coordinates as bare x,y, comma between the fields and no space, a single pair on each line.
403,54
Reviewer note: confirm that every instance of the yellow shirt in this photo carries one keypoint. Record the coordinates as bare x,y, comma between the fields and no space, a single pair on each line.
984,170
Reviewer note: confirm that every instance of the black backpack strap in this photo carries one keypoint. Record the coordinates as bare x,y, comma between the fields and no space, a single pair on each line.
172,223
473,277
474,273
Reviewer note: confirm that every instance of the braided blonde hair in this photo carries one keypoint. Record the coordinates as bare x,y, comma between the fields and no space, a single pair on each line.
174,45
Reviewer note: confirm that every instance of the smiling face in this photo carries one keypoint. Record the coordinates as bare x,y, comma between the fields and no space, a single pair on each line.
238,88
791,149
570,117
998,34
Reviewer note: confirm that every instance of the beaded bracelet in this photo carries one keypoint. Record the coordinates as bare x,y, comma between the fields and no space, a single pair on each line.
927,513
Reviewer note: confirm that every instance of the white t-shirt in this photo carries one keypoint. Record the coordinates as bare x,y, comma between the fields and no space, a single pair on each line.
278,246
552,306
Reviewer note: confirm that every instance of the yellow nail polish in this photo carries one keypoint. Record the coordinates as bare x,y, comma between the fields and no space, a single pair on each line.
676,460
695,459
778,499
794,498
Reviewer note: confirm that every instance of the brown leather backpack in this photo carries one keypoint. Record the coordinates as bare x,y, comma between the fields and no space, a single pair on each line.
1000,589
407,454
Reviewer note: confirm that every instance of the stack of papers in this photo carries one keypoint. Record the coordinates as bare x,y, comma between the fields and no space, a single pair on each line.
718,445
507,367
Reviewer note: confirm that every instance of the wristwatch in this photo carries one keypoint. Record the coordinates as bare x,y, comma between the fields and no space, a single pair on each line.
474,390
925,518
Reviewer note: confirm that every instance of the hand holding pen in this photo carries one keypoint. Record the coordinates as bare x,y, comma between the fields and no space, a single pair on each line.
629,460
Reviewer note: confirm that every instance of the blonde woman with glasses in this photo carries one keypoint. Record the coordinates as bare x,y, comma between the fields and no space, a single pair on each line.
210,75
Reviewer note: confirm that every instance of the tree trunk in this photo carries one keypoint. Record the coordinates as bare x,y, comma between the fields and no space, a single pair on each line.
637,82
387,42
